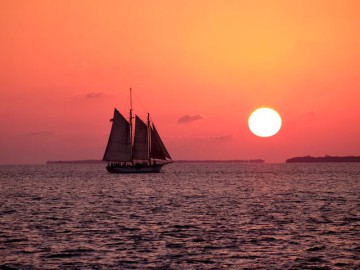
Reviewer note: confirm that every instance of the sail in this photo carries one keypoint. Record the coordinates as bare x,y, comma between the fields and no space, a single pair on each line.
141,145
119,145
158,149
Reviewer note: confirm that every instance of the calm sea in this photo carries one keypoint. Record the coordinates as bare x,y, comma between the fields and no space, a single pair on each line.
190,216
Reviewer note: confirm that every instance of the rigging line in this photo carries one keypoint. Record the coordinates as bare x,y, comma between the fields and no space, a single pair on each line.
139,101
122,105
144,109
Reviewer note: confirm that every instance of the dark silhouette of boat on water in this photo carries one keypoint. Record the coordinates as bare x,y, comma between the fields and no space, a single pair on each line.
310,159
134,146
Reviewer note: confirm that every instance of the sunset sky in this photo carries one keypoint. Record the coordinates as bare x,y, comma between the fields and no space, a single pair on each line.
199,67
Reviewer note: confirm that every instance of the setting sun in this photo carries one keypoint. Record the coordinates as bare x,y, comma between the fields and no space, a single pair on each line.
264,122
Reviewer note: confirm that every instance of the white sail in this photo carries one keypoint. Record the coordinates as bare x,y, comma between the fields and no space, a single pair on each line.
119,144
158,149
141,145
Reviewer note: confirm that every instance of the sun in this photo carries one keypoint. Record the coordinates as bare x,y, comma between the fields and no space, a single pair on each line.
264,122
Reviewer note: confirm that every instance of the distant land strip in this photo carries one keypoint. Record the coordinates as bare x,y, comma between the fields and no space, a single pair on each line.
88,161
91,161
225,161
310,159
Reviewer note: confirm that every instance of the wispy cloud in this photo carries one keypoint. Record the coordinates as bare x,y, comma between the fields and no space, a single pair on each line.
40,134
89,95
189,118
223,138
310,114
94,94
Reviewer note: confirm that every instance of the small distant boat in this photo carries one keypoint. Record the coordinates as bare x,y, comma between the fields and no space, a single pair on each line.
134,147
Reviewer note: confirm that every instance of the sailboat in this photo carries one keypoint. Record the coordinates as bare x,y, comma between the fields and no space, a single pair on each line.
134,146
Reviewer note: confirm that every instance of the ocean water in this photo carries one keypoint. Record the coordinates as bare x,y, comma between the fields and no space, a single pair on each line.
190,216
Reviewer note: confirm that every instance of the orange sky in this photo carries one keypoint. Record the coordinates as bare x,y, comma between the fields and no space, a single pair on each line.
66,64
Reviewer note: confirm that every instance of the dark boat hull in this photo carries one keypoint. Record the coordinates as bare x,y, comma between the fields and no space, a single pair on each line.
154,168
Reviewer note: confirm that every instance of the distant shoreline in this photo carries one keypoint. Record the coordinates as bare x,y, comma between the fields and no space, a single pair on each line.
310,159
222,161
305,159
91,161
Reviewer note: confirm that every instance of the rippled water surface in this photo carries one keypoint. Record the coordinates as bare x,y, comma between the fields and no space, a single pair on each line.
190,216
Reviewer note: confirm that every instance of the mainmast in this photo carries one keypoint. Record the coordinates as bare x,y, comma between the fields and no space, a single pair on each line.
149,138
131,128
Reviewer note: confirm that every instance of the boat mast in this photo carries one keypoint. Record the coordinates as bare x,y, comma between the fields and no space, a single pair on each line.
149,138
131,127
